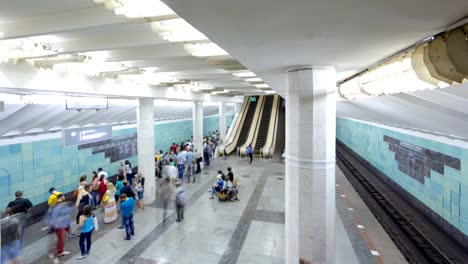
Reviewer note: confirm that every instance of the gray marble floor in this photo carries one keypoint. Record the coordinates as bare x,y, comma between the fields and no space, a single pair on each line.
248,231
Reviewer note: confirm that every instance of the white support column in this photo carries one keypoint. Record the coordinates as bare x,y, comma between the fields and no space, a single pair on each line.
310,165
145,143
222,120
198,126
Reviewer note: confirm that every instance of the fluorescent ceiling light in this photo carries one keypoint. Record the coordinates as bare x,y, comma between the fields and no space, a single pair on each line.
23,48
395,76
205,50
50,61
244,74
150,78
262,85
137,8
253,80
90,68
177,30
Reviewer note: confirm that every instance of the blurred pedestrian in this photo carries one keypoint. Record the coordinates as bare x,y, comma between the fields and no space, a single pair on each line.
11,238
180,201
59,219
165,194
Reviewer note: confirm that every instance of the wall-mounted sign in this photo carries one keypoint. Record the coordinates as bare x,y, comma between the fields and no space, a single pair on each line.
85,135
253,98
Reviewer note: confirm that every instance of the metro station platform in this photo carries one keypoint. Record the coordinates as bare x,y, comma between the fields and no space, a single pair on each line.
251,230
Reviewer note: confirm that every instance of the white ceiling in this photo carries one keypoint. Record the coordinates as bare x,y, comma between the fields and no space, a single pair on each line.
23,119
268,35
83,26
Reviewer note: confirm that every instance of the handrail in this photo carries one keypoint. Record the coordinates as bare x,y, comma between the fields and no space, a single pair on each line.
231,140
251,138
275,135
272,128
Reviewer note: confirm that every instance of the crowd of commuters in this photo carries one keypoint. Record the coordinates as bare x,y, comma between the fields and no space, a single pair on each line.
181,163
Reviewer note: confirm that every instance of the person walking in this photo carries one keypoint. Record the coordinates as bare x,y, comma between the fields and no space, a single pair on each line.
180,201
60,221
11,238
165,194
118,188
250,152
86,223
126,207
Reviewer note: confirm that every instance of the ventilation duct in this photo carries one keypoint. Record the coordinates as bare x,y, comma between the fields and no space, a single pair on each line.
440,62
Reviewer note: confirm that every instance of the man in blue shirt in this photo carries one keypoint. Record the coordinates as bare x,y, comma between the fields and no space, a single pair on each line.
126,208
181,158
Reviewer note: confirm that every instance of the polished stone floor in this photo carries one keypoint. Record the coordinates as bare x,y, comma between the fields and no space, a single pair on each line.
248,231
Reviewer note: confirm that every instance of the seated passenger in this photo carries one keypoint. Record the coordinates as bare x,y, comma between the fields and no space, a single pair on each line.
217,187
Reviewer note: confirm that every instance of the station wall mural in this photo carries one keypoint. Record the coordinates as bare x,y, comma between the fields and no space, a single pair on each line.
434,173
33,167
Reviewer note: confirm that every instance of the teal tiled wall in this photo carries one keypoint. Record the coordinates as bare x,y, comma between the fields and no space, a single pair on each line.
447,194
36,166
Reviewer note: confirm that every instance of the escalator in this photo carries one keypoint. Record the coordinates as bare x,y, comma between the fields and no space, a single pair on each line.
280,130
247,122
264,123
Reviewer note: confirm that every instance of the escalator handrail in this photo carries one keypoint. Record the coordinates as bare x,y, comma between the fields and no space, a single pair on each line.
273,141
252,135
237,126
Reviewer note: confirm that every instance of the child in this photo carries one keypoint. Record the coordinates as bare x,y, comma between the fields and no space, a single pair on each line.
180,201
87,226
140,190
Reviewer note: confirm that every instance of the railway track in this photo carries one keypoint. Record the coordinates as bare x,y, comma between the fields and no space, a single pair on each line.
415,246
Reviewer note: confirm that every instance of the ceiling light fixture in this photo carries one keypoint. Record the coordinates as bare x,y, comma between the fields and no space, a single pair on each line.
137,8
262,85
23,48
395,76
177,30
253,80
244,74
209,49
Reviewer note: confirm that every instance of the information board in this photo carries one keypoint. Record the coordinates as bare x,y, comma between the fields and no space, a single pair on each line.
86,135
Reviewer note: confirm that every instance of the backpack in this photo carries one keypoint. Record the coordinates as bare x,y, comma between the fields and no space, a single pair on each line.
180,199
